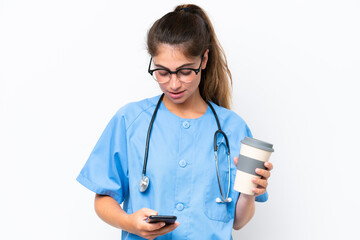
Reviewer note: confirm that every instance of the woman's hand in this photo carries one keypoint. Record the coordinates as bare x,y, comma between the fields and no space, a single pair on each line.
262,182
146,230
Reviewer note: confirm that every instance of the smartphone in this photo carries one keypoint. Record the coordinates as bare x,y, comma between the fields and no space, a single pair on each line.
162,218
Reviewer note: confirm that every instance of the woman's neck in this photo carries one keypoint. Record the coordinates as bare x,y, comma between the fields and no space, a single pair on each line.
193,107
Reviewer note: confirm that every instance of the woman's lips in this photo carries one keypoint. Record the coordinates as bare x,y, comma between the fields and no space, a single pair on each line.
176,95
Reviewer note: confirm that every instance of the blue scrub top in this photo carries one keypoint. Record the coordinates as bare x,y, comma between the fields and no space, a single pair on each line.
181,167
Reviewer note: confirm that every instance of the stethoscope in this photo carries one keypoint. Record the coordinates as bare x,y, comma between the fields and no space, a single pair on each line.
144,182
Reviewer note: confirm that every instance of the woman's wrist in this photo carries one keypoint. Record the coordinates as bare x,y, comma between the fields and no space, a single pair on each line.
125,222
247,197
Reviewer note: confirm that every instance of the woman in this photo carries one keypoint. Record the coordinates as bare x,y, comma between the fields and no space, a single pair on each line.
188,63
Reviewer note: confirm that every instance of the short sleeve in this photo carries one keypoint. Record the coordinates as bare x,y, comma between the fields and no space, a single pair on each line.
263,197
106,170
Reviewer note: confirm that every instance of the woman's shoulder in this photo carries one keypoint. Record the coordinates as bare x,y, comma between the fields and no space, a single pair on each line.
226,115
133,110
138,106
230,121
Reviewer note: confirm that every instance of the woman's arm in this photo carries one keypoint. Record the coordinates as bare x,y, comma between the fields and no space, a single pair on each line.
110,211
245,206
244,210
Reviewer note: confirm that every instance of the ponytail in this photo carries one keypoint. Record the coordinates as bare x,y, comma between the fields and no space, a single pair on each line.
189,27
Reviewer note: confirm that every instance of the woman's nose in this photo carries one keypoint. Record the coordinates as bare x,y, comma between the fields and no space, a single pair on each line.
174,82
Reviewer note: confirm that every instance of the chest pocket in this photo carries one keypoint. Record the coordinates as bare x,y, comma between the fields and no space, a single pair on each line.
220,211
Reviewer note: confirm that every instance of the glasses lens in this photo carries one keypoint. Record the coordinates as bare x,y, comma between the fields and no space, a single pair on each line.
161,76
186,75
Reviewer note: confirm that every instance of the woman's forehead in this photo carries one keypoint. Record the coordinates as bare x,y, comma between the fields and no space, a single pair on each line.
172,55
175,51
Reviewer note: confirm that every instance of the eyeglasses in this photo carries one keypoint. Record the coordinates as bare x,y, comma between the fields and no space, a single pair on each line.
163,75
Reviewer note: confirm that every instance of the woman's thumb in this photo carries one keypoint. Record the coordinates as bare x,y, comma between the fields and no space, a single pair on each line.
236,159
147,212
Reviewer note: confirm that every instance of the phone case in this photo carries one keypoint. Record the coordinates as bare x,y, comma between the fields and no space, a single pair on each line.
162,218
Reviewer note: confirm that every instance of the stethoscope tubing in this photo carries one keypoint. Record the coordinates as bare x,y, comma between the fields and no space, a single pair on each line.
149,133
144,183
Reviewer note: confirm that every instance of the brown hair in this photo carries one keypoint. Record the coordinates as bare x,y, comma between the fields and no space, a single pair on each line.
189,27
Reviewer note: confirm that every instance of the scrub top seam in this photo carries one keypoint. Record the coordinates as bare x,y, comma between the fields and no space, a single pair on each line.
138,117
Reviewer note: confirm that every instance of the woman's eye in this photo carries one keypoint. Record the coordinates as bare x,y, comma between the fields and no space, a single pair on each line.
185,72
163,73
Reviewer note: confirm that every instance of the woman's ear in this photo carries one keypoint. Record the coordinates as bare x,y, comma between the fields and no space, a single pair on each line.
205,59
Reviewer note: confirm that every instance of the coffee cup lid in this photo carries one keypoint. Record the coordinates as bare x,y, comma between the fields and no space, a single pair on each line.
258,144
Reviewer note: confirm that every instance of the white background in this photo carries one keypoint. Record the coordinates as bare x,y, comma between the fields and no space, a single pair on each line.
67,66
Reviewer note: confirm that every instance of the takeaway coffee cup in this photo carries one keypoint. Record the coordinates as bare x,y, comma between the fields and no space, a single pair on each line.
253,154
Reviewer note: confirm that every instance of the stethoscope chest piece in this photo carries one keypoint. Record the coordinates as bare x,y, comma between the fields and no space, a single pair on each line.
144,183
227,200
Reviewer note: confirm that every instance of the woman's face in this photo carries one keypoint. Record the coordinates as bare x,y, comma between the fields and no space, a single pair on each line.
172,58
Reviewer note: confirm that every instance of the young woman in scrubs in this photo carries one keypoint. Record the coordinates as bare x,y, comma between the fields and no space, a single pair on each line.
190,70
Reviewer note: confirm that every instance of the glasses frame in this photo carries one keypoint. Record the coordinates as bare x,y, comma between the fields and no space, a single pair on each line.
151,71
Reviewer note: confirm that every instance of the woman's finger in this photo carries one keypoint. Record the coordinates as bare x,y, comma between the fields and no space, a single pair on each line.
153,226
269,166
259,191
164,230
265,173
260,182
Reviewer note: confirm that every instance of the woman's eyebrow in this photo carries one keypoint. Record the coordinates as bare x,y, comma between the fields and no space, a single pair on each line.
182,66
